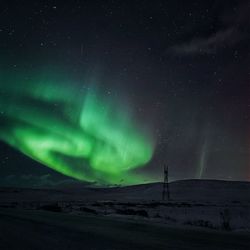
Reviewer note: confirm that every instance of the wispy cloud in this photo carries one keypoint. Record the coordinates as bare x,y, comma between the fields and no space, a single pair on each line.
223,38
228,36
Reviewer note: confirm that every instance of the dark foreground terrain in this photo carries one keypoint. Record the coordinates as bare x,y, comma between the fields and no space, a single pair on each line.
30,229
207,204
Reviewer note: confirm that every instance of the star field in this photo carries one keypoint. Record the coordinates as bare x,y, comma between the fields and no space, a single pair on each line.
181,67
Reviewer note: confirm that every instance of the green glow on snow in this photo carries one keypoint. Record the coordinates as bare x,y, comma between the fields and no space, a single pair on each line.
73,131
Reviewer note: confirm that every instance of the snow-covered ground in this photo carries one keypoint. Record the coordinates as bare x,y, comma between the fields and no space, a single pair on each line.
209,204
43,230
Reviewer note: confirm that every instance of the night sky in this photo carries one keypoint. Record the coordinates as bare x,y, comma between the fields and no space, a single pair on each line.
178,71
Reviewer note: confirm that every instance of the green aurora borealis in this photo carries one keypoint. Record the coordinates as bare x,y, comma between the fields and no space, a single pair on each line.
75,131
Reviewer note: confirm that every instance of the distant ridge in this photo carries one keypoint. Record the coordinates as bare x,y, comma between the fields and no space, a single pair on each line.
181,190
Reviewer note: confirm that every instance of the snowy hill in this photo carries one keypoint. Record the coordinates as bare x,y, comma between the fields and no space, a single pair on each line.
203,203
184,190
